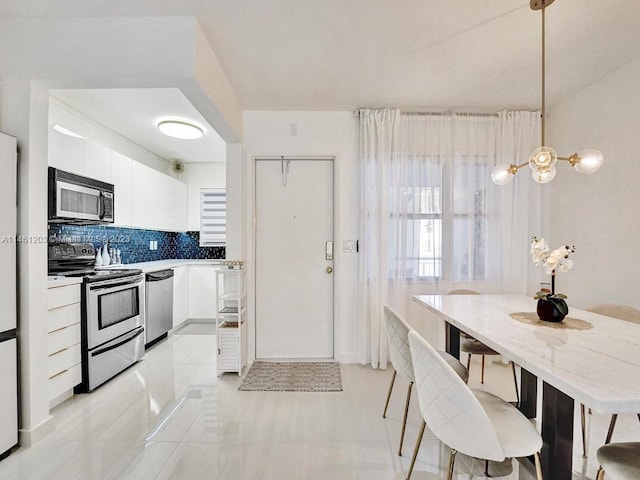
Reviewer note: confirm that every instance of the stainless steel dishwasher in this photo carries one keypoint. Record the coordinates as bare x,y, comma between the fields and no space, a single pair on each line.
158,305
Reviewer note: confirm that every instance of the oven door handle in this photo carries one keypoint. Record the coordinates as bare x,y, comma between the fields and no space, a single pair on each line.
102,350
115,285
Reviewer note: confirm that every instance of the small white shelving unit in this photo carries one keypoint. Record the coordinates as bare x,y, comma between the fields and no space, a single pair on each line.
231,320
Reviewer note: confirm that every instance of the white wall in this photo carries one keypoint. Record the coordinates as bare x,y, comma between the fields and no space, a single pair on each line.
598,213
236,202
321,134
24,115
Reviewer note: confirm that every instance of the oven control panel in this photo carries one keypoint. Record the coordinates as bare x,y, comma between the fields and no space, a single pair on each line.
59,251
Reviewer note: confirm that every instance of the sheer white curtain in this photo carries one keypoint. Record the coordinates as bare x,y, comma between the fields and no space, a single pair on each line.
431,219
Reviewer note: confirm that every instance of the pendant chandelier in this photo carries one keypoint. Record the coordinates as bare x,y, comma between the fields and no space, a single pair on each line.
543,160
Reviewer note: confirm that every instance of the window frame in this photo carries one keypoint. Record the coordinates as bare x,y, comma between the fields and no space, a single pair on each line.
447,216
213,221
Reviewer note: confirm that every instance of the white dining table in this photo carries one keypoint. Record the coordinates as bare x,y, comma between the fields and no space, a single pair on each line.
597,364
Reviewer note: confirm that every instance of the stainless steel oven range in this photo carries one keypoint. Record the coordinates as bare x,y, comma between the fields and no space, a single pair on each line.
112,312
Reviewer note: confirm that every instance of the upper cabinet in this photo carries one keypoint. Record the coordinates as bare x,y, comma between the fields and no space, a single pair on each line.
144,197
65,152
158,201
121,176
96,161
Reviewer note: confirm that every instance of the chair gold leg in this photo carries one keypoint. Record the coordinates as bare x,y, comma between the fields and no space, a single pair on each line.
452,459
583,422
538,466
600,475
612,425
386,405
416,448
515,382
404,420
482,373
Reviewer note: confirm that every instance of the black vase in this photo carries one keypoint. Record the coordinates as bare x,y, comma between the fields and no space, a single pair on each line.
548,311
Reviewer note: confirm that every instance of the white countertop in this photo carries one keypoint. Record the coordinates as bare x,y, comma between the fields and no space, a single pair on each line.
146,267
58,281
599,367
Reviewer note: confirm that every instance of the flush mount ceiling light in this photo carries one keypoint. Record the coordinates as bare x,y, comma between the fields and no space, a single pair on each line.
180,129
543,159
66,131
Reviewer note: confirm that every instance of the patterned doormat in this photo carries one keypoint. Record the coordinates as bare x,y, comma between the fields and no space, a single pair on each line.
293,377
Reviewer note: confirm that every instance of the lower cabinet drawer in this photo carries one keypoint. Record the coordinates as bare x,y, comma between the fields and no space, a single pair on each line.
64,381
64,360
61,296
63,338
63,316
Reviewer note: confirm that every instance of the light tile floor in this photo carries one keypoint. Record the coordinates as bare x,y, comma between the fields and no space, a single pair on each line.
170,417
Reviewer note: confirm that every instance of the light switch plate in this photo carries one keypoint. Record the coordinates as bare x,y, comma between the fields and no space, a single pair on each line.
349,246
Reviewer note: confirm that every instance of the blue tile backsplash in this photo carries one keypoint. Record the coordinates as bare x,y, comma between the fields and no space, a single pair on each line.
134,243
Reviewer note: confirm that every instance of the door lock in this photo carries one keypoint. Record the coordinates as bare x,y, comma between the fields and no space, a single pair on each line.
329,269
328,251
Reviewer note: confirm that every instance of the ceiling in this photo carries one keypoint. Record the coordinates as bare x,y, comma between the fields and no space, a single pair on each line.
134,113
348,54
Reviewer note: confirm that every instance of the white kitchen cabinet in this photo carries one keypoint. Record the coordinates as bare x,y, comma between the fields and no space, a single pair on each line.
231,325
63,342
175,218
159,201
65,152
144,197
180,295
121,167
96,161
202,291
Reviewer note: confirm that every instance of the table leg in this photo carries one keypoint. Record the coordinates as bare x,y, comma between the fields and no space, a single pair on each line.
528,394
557,433
452,340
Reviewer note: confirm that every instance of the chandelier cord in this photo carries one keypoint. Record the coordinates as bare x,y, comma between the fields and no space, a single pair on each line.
543,76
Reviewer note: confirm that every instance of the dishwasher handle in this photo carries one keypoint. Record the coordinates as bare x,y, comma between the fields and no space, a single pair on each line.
159,275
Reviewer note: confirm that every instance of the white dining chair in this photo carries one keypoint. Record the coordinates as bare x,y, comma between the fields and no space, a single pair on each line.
398,333
620,461
472,422
473,346
622,312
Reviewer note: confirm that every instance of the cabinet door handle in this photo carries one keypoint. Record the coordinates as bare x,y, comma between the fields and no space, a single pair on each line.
59,373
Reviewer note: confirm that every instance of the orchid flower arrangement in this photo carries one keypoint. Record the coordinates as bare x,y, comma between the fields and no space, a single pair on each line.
554,261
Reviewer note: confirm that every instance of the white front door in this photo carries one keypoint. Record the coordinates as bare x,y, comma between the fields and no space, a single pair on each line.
294,272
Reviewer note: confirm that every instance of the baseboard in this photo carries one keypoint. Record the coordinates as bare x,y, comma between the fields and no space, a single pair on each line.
189,321
32,436
199,320
347,357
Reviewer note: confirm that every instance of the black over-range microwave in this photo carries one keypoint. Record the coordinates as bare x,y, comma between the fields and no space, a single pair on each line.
77,199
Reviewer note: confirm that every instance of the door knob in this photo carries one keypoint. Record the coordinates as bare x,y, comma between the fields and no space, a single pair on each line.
328,269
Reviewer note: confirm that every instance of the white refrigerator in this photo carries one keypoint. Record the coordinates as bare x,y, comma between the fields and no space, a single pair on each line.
8,299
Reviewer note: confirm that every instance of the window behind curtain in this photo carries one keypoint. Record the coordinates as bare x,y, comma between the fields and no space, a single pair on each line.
439,218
